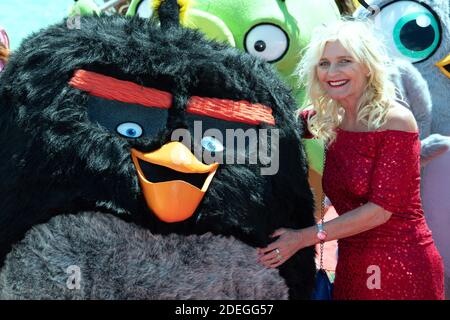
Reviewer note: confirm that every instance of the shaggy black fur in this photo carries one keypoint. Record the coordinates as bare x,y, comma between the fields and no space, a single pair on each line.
56,161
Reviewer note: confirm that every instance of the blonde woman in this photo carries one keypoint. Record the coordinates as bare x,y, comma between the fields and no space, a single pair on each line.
371,175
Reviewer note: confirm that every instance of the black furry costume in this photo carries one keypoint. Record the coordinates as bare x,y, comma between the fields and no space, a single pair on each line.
57,161
141,266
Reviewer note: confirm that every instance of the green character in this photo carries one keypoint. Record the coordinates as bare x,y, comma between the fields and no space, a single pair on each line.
84,8
274,30
146,8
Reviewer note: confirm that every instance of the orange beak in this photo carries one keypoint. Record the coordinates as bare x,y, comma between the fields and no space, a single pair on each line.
444,66
176,199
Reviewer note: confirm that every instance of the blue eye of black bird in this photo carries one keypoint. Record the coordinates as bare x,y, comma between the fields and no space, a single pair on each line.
130,129
260,46
211,147
229,140
128,120
212,144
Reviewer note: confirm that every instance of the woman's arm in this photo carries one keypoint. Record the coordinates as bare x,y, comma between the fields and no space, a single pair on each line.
361,219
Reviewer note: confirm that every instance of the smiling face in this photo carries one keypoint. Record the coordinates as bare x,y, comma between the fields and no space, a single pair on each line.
341,76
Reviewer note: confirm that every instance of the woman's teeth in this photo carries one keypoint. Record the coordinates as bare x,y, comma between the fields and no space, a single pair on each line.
338,83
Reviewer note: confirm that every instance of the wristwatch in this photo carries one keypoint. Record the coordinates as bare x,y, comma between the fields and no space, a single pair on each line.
321,234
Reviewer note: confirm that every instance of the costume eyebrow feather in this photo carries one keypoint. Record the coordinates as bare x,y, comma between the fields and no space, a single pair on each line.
129,92
119,90
230,110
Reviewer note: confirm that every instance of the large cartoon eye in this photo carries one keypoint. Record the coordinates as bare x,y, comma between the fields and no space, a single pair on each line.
412,30
144,9
267,41
212,145
130,130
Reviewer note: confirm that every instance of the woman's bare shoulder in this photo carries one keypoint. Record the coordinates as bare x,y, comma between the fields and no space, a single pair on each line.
400,118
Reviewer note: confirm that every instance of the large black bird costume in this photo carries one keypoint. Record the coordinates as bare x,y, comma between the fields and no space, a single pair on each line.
88,116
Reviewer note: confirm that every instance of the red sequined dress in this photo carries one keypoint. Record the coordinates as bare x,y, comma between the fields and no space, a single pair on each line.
398,259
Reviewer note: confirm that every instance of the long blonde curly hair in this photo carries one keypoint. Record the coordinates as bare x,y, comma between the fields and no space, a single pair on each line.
379,94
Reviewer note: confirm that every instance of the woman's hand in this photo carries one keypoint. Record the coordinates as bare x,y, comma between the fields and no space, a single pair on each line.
278,252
